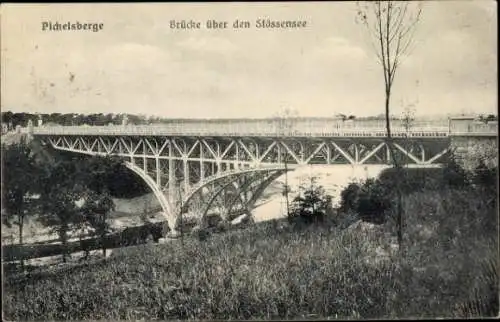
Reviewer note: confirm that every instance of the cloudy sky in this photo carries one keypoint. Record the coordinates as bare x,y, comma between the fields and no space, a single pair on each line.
137,64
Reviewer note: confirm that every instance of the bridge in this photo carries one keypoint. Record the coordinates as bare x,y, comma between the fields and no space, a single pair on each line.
197,166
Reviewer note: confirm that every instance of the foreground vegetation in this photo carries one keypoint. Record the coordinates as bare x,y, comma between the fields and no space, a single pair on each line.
311,266
276,270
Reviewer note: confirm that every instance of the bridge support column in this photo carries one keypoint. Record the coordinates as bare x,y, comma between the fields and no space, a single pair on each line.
173,224
171,172
186,174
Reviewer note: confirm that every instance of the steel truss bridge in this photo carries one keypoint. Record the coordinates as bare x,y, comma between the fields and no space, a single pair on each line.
225,167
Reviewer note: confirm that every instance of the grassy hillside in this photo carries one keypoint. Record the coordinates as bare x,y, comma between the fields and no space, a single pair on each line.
273,271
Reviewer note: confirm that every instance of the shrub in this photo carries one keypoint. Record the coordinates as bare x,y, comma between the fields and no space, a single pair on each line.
411,180
370,199
454,175
484,176
349,197
140,234
374,199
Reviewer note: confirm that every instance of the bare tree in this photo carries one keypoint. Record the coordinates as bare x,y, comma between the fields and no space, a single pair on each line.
285,127
391,26
408,118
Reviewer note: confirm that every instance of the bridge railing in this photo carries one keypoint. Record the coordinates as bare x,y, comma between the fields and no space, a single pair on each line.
279,127
234,130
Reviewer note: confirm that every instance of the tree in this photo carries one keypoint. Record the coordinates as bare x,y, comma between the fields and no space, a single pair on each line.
19,171
63,213
343,117
487,118
61,200
285,126
310,204
99,172
391,26
75,195
95,210
95,174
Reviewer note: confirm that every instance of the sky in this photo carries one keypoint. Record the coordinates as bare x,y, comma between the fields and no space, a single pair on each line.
138,64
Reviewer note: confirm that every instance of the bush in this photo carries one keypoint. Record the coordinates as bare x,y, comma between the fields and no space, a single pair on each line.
140,234
374,199
369,199
411,180
485,177
453,175
349,197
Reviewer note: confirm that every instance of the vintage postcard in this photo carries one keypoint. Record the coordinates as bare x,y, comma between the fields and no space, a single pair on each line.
249,161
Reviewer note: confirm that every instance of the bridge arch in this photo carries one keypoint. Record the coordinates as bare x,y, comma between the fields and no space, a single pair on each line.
240,189
261,187
257,180
167,211
223,175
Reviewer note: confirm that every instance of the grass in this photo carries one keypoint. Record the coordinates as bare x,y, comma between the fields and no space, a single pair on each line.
275,272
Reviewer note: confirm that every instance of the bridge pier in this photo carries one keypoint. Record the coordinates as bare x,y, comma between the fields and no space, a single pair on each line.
172,225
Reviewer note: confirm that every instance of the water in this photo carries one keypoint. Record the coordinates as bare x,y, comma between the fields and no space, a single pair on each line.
333,178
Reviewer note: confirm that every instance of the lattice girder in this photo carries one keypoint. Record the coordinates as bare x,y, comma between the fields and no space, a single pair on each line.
179,166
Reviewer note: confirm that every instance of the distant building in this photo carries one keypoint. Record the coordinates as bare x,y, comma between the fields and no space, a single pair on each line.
461,123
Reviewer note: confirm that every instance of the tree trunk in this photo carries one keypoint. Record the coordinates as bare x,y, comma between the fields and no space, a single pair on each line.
387,116
390,144
286,189
103,244
64,241
21,225
400,219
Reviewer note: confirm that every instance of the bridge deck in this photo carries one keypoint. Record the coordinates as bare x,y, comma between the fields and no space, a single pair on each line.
300,127
174,130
